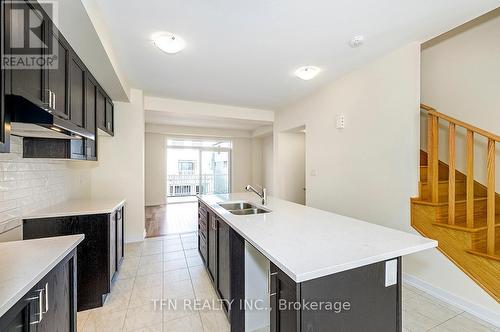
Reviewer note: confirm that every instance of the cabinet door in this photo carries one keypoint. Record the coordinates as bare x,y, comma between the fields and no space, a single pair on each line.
110,119
57,300
21,315
112,246
119,237
27,83
212,247
90,117
77,91
101,109
57,77
5,77
223,266
283,290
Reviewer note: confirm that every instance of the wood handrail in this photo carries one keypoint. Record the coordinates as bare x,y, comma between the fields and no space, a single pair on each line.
433,171
482,132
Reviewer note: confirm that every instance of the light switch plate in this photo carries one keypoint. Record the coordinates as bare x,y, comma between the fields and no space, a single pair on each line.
341,121
391,272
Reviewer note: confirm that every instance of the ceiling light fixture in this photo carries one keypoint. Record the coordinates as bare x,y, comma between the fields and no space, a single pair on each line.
357,41
307,73
169,42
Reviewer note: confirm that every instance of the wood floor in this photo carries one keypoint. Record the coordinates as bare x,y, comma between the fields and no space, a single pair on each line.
172,218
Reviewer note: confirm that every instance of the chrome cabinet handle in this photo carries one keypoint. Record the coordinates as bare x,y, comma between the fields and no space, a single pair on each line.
49,103
40,305
46,298
53,100
269,276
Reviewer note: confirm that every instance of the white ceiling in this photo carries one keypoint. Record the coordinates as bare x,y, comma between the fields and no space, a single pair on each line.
243,53
196,120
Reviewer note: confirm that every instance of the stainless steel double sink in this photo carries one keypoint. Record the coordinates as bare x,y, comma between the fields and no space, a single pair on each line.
243,208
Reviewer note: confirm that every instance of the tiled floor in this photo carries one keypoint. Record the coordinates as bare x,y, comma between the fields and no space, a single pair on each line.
169,267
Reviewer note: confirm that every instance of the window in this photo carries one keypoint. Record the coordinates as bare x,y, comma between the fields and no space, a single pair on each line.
186,166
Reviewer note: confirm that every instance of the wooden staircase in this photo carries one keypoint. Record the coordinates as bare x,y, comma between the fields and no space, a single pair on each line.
460,213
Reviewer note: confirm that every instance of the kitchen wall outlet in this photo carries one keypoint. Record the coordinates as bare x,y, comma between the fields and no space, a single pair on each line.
391,272
341,121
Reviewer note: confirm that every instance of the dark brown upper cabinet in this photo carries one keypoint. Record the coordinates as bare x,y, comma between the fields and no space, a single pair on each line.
105,113
110,120
29,84
77,91
5,80
68,90
90,116
57,78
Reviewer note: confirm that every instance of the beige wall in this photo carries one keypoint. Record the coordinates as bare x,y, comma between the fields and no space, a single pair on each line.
120,169
291,178
155,157
374,160
268,164
242,157
460,77
369,170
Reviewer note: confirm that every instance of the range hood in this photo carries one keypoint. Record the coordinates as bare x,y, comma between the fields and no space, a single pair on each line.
31,120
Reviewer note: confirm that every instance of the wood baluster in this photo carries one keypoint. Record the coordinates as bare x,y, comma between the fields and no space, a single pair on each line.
470,179
490,237
432,157
451,176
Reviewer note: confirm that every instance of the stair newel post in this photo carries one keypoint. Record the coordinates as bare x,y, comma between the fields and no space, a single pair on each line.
432,155
470,179
490,237
451,176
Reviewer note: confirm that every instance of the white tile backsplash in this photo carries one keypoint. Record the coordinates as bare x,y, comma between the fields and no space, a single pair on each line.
30,184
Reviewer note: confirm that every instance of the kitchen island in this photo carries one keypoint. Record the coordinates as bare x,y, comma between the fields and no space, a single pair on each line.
316,257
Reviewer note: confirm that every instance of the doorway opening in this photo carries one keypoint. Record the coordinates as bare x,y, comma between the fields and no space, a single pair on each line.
196,166
193,166
293,154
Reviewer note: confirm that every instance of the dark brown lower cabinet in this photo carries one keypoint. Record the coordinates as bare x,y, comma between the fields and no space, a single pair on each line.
212,247
353,300
100,253
225,263
50,306
231,275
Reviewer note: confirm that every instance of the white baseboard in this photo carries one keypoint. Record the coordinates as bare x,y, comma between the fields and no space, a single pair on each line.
487,315
136,238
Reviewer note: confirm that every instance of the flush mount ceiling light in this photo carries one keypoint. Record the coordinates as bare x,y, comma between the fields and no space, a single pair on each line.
307,73
357,41
169,42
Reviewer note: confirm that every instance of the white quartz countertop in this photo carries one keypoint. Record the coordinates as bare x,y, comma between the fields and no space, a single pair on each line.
308,243
24,263
77,208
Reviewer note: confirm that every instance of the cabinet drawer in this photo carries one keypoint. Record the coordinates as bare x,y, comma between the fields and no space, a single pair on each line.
202,219
202,247
202,230
202,208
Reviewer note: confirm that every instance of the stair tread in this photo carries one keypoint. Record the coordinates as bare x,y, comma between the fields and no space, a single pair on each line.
445,181
461,225
495,256
444,200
